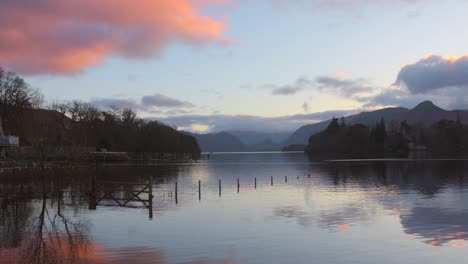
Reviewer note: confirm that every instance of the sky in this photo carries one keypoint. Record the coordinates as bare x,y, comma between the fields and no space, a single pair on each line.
213,65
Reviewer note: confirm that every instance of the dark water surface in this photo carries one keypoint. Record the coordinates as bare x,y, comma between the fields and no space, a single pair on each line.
347,212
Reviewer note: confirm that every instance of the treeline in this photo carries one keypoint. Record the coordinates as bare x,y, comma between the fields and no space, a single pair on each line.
79,125
446,138
118,130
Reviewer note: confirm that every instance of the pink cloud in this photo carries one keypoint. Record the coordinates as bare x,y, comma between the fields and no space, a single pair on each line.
63,37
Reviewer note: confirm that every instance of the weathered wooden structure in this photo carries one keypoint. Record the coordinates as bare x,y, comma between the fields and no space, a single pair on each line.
6,142
9,141
122,194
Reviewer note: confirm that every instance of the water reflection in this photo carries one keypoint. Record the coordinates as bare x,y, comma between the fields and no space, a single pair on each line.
65,215
437,226
35,223
429,197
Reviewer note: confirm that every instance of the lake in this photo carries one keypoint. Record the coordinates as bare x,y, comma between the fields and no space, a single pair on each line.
270,208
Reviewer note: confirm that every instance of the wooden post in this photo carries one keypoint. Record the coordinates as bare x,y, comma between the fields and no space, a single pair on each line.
176,200
285,178
60,196
199,190
92,192
238,185
255,183
308,175
271,180
219,187
150,198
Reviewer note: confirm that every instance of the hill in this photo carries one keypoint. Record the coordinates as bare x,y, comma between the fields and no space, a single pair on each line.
252,138
70,134
425,113
265,145
219,142
235,141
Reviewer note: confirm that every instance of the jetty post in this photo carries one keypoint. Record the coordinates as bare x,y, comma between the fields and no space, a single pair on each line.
150,198
176,198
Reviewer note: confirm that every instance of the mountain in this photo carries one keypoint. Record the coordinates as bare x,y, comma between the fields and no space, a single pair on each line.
234,141
252,138
425,113
265,145
261,141
301,136
219,142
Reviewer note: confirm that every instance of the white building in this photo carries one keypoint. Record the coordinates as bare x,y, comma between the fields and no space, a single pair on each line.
7,141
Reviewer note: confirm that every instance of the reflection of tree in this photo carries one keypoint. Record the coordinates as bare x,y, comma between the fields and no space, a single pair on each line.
37,229
418,190
428,177
14,215
47,232
54,237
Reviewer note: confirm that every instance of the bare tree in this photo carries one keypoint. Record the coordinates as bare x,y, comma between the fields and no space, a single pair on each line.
15,96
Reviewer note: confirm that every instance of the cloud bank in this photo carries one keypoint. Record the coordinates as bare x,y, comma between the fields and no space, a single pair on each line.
434,72
147,103
443,80
326,84
164,101
64,37
217,123
346,5
343,87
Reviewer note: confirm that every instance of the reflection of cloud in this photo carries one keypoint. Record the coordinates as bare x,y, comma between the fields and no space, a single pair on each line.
336,218
437,226
99,254
343,228
293,212
339,218
55,250
458,243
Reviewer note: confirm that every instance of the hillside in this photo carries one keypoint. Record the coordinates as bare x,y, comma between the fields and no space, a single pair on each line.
219,142
265,145
252,138
425,113
93,129
235,141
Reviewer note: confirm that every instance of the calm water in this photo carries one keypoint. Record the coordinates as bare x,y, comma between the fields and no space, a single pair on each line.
346,212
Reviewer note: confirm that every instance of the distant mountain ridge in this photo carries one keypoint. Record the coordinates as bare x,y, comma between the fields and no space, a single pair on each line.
252,138
219,142
425,113
235,141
